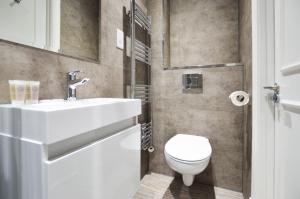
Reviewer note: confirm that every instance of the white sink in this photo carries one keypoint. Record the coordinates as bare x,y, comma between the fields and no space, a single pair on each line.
51,122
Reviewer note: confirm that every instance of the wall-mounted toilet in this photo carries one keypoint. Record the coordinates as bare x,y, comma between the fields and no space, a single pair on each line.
188,155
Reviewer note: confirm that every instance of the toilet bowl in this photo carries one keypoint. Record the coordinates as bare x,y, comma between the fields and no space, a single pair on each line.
188,155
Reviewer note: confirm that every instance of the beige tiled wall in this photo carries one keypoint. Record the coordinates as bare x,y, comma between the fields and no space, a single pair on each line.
246,57
19,62
203,32
209,114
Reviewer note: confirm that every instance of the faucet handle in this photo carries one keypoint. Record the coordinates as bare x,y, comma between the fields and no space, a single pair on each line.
72,74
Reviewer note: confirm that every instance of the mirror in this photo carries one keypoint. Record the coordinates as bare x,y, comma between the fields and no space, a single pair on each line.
69,27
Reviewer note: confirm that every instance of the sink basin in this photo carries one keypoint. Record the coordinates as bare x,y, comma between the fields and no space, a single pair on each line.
50,122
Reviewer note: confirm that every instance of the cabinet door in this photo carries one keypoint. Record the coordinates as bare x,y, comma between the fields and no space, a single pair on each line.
107,169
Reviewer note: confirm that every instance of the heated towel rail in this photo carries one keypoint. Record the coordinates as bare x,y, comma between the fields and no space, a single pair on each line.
141,52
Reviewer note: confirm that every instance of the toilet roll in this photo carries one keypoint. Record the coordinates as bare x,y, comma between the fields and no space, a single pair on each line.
239,98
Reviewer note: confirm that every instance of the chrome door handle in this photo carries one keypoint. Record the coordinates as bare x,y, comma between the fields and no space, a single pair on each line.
276,89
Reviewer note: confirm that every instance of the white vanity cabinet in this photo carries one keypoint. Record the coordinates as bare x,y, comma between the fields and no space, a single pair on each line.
99,163
108,168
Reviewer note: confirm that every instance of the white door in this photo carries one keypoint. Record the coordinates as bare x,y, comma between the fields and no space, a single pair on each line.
287,111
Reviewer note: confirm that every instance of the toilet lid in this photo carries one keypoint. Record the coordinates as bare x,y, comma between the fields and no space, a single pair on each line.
188,147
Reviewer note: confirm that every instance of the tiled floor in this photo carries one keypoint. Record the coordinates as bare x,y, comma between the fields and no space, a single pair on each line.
156,186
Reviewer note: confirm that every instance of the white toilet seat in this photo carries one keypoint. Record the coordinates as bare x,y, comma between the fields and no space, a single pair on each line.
187,162
188,148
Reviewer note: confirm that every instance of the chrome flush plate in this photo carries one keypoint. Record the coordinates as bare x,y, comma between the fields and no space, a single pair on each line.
192,83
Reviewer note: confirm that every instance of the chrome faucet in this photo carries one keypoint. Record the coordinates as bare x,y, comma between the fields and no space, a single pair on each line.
73,83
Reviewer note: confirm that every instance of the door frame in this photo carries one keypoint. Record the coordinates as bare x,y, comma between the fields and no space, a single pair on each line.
263,69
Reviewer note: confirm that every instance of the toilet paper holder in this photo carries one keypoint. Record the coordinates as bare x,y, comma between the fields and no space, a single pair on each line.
240,98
